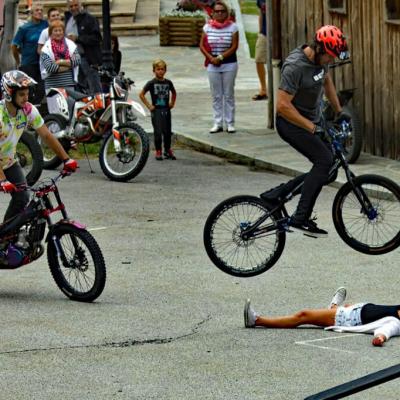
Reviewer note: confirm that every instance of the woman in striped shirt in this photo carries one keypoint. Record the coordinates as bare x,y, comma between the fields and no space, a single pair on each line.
59,59
219,44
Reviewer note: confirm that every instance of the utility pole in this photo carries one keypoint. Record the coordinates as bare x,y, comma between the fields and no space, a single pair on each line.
107,55
10,16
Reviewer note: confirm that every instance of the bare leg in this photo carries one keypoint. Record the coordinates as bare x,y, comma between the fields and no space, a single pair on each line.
320,317
261,76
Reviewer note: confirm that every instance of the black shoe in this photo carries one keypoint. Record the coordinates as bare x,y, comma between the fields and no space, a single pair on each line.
169,155
308,228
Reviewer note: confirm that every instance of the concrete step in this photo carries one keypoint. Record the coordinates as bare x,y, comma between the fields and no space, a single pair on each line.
146,20
89,5
128,17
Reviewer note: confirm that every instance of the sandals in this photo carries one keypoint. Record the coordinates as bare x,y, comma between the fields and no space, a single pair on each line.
260,97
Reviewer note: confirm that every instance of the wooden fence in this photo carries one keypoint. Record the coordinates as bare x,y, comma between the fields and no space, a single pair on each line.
374,42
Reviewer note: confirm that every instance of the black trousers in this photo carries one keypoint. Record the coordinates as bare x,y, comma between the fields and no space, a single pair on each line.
372,312
15,174
161,120
319,154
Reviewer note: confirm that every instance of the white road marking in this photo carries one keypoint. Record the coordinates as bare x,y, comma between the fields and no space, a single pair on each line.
310,342
100,228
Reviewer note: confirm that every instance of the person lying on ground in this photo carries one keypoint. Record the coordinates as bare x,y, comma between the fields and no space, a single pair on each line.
382,321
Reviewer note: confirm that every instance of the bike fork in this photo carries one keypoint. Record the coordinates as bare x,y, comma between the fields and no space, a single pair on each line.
115,123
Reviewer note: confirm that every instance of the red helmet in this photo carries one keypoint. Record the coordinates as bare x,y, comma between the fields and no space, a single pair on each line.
333,41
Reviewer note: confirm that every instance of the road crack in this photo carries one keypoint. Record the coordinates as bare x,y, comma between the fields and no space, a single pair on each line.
119,344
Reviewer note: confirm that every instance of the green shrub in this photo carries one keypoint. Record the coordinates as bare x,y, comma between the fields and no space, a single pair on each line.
249,7
251,40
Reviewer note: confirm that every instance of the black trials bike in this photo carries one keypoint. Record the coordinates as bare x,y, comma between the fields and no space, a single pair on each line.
245,235
74,257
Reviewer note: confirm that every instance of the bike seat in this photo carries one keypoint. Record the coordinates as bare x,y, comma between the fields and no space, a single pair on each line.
75,94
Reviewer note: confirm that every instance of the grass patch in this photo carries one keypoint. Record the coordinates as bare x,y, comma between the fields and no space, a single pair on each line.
249,7
93,150
251,40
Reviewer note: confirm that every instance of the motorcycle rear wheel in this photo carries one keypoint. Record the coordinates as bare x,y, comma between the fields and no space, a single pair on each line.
30,157
54,123
124,165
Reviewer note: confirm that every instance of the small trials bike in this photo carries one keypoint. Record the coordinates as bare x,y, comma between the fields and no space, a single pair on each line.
245,235
74,257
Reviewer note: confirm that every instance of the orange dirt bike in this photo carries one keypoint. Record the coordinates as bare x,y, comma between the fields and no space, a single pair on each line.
76,117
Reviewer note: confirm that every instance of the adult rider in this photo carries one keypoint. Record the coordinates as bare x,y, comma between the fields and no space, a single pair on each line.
304,79
16,113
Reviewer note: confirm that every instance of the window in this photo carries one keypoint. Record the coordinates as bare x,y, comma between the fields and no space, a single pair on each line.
337,6
392,11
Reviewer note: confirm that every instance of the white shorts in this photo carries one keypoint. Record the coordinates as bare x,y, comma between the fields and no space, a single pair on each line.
349,316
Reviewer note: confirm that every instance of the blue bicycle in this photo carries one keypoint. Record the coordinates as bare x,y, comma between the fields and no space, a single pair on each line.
245,235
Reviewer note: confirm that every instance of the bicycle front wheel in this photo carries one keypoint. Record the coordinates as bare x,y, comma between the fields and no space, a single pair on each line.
375,230
76,263
230,250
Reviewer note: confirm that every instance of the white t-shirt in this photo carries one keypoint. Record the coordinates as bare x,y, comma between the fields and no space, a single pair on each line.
43,36
220,40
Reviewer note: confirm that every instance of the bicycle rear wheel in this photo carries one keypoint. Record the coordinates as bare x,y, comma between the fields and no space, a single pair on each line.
229,250
376,231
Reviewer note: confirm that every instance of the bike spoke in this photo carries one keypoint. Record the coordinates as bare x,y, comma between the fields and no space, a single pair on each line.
78,272
239,253
378,228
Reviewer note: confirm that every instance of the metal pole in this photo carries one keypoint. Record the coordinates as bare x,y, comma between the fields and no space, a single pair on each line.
271,100
358,385
107,55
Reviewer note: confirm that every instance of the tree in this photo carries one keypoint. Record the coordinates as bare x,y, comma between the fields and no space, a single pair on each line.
7,61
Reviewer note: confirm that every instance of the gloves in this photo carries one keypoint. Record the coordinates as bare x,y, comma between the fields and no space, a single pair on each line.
70,165
321,132
342,116
7,186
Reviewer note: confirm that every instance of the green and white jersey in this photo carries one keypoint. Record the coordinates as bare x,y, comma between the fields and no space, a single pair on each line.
11,129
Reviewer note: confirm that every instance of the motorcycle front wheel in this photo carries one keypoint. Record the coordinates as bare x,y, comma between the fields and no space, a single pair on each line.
125,163
55,123
76,263
30,156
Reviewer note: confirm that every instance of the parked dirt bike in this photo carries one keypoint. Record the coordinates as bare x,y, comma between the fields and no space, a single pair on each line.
245,235
75,259
354,141
30,156
80,118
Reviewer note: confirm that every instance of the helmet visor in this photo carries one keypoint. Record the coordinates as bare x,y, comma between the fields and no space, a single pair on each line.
344,55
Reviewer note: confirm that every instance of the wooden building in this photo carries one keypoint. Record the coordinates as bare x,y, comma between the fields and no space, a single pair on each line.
372,28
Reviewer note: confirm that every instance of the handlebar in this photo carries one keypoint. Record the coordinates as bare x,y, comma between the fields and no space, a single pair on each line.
42,184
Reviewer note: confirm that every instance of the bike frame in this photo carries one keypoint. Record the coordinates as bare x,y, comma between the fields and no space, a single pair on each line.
340,161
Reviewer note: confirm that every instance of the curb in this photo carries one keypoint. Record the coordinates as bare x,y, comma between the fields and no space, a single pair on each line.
237,158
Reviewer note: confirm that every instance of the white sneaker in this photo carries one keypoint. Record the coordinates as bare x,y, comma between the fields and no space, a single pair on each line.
250,315
231,128
339,297
216,128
